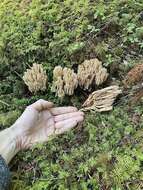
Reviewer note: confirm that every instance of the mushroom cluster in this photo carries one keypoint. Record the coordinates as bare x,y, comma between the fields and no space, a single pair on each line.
35,78
91,72
102,100
64,81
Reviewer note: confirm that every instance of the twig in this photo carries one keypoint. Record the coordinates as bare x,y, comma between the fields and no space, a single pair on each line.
18,75
4,103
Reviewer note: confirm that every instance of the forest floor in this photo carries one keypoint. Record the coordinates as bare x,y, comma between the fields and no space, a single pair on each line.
106,152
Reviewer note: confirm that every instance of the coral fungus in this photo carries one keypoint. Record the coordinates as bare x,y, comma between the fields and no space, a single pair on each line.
64,81
102,100
91,72
35,78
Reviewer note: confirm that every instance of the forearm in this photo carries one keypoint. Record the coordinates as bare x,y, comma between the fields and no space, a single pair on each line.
9,145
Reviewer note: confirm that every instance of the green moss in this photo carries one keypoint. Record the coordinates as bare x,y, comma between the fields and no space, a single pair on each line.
125,168
8,118
102,153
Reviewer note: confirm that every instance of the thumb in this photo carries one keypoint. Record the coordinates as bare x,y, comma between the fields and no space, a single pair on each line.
42,105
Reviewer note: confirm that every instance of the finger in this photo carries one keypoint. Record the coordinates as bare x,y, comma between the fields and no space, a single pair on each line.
68,124
42,105
68,116
63,110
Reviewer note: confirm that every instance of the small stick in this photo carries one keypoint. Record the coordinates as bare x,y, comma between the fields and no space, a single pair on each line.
4,103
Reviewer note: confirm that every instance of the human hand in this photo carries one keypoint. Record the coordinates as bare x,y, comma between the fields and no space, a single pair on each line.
41,120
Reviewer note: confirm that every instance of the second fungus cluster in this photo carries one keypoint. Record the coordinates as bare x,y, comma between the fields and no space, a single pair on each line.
64,81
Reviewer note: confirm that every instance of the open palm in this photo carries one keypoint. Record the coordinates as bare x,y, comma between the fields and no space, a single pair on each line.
41,120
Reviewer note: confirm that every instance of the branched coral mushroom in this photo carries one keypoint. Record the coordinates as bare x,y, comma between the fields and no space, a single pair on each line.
101,76
91,72
64,81
58,72
70,81
102,100
35,78
57,87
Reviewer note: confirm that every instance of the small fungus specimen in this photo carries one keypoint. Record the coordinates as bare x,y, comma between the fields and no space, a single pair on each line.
64,81
102,100
35,78
91,72
134,76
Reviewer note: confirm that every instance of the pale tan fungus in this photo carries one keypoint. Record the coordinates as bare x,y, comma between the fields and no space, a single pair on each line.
101,76
35,78
102,100
70,81
59,84
64,81
91,71
58,72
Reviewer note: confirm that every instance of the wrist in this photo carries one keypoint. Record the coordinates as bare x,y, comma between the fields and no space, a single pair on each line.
20,136
9,144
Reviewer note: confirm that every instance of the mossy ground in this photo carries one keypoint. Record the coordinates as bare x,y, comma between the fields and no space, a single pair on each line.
106,152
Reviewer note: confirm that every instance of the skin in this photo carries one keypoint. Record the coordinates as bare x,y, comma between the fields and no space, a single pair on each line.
39,122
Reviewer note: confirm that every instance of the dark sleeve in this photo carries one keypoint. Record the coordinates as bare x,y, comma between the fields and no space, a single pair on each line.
4,175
